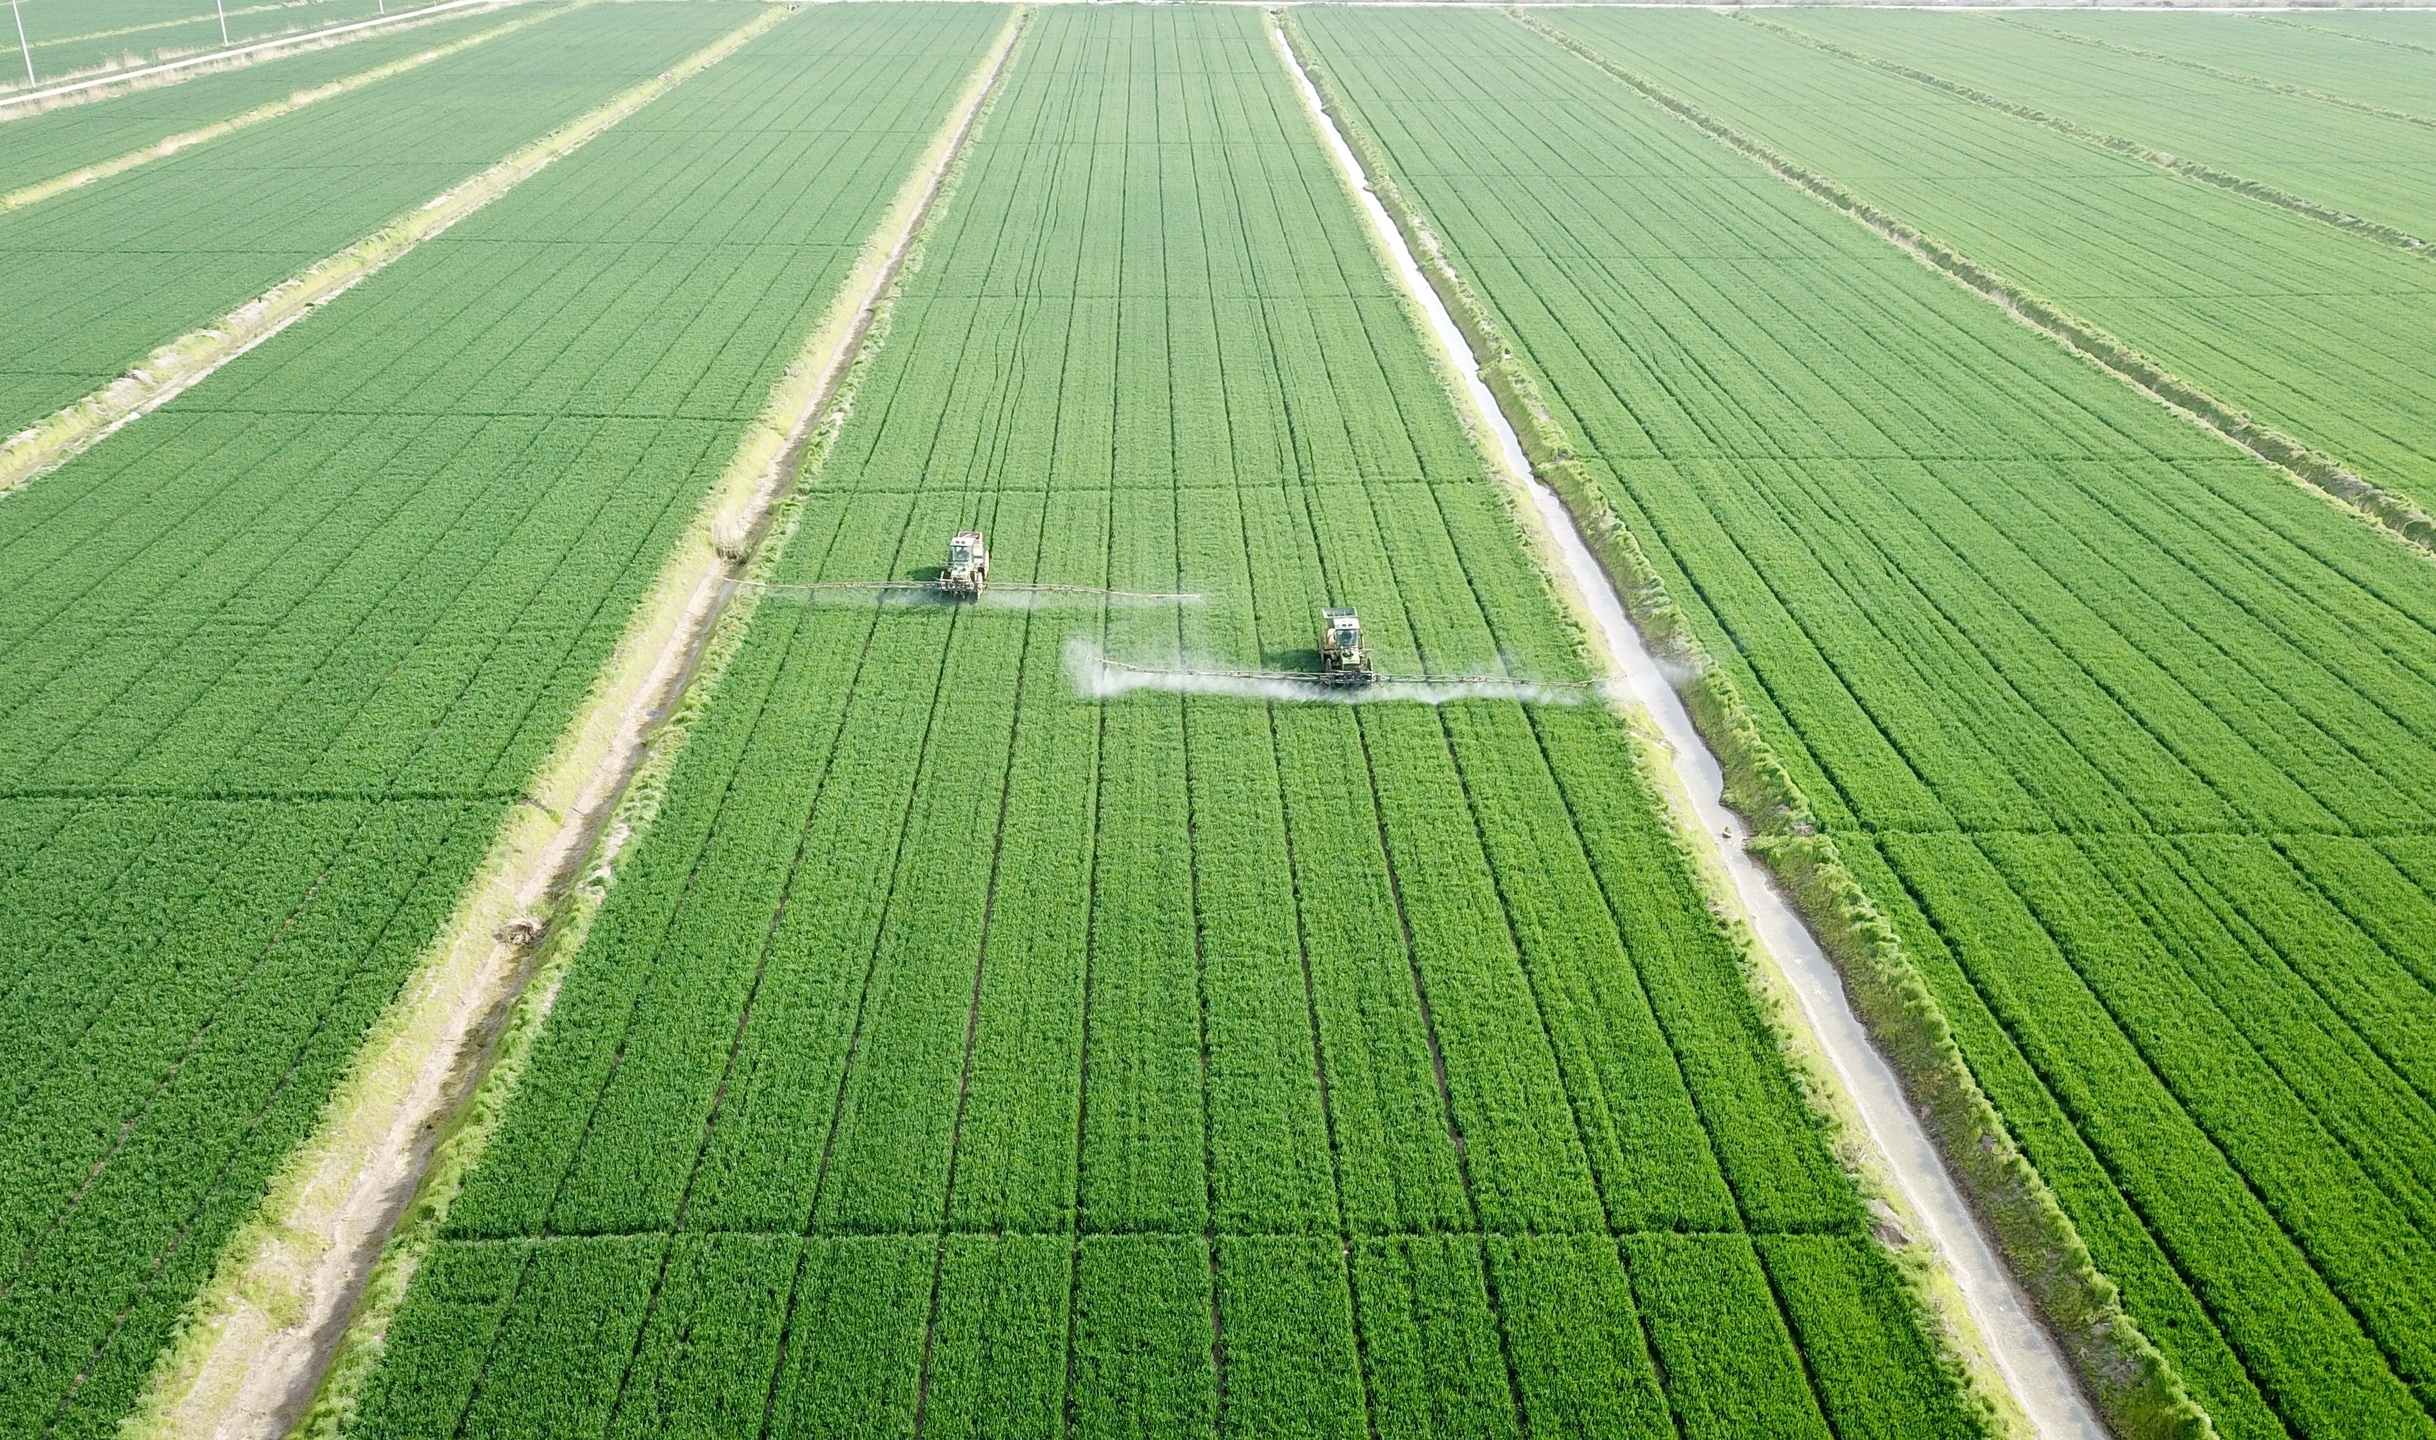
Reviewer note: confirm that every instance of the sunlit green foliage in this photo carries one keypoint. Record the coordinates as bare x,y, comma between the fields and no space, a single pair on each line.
1176,1063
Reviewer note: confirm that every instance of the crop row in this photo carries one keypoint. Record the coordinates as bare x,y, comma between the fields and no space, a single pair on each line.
285,652
2144,727
109,271
959,1047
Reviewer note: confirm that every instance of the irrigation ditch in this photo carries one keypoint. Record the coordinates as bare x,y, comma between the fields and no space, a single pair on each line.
1936,1145
294,1316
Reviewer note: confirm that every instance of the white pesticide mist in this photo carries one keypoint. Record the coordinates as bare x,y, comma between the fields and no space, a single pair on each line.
1098,678
916,595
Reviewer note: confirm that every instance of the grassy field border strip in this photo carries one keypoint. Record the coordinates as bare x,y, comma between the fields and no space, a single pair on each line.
2320,30
13,107
2131,149
2392,512
187,139
180,364
2131,1382
2008,1355
299,1303
2237,77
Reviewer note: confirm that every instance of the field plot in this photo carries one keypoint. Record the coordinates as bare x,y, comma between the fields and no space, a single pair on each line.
2131,737
2376,166
69,38
2269,50
283,653
41,145
961,1055
2314,331
117,267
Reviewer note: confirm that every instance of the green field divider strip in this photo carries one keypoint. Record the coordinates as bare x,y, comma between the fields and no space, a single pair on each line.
2131,149
180,364
436,1073
2392,512
187,139
2260,82
2386,40
2133,1384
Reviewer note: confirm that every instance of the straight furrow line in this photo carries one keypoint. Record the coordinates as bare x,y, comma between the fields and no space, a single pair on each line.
1071,1401
972,1022
1319,1053
180,364
2385,508
2133,149
1201,999
1437,1061
187,139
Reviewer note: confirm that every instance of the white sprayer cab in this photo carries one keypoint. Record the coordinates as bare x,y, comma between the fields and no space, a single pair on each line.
968,564
1342,656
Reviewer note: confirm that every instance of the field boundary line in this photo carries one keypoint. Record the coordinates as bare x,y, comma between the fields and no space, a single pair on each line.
2132,1382
2390,511
1725,768
2236,77
170,145
105,85
180,364
2241,185
2319,30
300,1302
